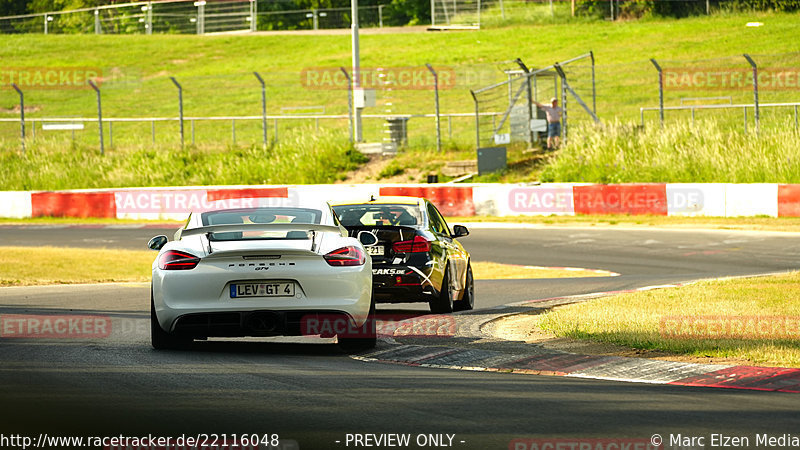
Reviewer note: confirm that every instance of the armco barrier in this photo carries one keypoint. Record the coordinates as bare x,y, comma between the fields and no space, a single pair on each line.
679,199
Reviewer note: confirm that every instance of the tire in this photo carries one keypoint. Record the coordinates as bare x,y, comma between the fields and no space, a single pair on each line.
160,339
359,344
467,301
443,304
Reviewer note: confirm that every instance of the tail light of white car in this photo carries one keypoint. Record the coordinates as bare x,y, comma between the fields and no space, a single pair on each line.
177,260
346,256
418,244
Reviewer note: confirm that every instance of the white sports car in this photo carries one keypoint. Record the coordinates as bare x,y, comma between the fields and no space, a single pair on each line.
262,271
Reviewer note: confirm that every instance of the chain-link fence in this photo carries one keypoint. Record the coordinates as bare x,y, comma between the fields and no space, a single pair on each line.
142,109
194,17
505,112
212,16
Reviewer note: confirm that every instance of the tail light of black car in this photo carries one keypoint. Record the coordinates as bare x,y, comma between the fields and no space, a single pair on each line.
346,256
418,244
177,260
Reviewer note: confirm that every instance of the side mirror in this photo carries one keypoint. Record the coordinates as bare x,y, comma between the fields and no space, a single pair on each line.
157,242
367,238
460,231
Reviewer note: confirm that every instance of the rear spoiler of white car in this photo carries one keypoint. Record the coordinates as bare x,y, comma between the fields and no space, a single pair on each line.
311,228
243,227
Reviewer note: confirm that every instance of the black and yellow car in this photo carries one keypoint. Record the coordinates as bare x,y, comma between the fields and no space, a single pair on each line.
417,257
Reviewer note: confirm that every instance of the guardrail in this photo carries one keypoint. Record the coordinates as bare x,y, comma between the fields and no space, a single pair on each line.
743,106
32,123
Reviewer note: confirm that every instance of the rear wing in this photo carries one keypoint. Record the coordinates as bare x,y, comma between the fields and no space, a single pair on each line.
243,227
310,228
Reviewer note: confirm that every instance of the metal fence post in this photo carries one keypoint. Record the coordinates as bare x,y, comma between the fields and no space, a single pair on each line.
201,16
349,100
530,98
563,99
46,19
755,88
148,24
22,115
99,116
477,121
450,126
660,90
745,119
594,87
436,99
180,104
263,108
97,28
253,15
380,16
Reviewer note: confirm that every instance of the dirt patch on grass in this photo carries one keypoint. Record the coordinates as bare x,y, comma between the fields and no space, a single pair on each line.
376,169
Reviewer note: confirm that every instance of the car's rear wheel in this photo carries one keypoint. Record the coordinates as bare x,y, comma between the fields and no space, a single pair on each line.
444,302
160,339
467,302
369,334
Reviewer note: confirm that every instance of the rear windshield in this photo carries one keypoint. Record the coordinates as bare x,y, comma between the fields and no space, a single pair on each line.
378,215
261,216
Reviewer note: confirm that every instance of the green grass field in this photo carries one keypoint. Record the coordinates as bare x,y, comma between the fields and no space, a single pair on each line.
302,158
216,74
755,319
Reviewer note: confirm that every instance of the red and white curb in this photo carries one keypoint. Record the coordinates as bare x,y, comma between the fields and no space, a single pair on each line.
465,200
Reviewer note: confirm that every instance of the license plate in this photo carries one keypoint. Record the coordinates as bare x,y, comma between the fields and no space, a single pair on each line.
375,250
277,289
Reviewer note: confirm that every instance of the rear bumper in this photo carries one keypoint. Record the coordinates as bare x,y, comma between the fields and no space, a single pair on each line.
256,323
402,284
198,301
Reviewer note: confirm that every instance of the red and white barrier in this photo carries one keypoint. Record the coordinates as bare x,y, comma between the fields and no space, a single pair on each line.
674,199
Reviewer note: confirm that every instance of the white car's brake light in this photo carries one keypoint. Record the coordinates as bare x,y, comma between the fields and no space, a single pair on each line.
346,256
176,260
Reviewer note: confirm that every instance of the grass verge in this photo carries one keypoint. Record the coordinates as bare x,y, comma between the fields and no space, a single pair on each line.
303,157
25,266
679,153
753,319
496,271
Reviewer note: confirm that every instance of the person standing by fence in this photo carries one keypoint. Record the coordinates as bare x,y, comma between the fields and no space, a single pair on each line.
553,113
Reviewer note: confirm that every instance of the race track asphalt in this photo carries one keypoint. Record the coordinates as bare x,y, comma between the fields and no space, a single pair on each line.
313,394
